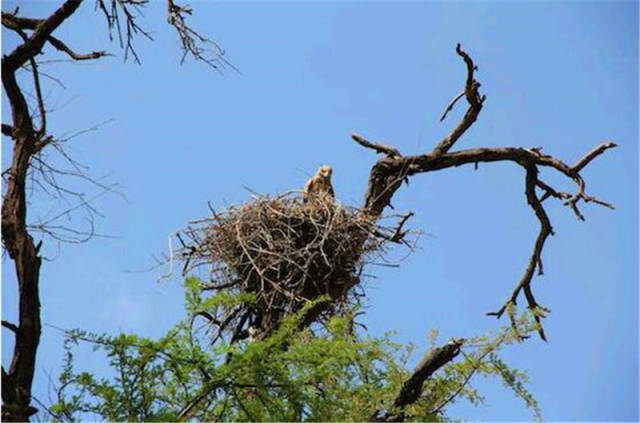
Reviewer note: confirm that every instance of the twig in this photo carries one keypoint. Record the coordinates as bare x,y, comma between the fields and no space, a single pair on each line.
378,147
451,104
13,328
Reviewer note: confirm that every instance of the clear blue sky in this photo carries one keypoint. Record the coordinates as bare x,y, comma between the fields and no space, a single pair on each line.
560,75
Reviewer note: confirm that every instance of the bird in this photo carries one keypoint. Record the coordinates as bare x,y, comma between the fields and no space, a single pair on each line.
319,186
254,333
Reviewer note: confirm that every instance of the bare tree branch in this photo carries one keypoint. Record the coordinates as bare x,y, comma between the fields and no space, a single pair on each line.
59,45
192,42
535,260
13,328
450,105
19,23
112,10
475,105
580,164
398,233
378,147
41,108
36,41
7,130
13,22
387,174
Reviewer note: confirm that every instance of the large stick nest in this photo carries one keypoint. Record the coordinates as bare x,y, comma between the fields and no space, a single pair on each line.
285,253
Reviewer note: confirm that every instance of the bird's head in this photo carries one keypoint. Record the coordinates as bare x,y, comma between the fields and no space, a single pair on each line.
325,171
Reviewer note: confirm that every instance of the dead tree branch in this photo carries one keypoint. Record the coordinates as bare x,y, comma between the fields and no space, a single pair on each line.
16,23
192,42
12,327
450,105
398,234
7,130
33,46
475,101
115,11
377,146
60,46
387,174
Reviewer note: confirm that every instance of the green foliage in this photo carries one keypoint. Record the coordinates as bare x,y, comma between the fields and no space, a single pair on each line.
195,303
293,375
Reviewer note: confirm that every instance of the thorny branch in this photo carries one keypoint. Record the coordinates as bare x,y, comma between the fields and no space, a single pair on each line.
387,174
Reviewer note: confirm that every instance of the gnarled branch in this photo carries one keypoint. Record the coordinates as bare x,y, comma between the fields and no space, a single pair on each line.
388,173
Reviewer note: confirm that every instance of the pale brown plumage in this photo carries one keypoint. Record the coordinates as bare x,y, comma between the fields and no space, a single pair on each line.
319,186
254,332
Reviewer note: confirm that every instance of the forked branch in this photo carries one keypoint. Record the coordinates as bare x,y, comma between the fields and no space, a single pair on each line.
474,99
388,173
121,16
192,42
16,23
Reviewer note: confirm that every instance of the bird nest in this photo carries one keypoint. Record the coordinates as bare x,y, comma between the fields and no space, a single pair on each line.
284,253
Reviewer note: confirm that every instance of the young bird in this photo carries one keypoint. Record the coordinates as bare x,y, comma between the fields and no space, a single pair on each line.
319,186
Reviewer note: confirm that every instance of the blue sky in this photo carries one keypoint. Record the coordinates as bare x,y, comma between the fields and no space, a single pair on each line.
560,75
